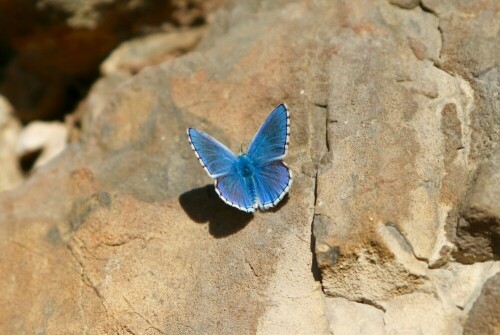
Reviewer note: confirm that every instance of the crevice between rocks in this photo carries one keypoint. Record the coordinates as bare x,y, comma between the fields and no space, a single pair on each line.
405,243
315,270
369,302
436,62
427,9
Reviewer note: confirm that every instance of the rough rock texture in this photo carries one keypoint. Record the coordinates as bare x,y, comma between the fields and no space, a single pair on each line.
51,49
126,60
391,117
484,317
478,232
132,56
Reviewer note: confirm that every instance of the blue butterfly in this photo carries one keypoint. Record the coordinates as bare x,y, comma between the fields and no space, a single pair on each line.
257,179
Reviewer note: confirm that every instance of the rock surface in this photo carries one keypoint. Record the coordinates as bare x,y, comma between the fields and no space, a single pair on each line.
132,56
478,231
391,117
484,317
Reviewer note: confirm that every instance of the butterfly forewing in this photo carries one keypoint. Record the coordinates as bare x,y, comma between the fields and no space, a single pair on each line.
271,141
215,157
272,178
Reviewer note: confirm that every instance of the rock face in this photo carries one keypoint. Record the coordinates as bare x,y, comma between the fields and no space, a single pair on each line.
484,317
395,123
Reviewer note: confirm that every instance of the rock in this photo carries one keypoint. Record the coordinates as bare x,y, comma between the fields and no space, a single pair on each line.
133,55
483,201
10,173
47,138
484,317
443,310
388,138
124,62
53,54
382,155
414,309
95,103
471,49
352,318
478,234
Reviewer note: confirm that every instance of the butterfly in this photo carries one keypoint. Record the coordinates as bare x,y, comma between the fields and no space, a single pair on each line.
256,179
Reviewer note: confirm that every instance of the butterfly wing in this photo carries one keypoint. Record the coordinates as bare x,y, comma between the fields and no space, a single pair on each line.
272,182
271,141
215,157
219,162
272,178
232,190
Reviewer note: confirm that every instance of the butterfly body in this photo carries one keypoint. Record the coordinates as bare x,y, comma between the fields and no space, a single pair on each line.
256,179
244,166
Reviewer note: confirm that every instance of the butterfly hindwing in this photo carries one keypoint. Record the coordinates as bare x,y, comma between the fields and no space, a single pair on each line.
272,182
271,141
232,190
215,157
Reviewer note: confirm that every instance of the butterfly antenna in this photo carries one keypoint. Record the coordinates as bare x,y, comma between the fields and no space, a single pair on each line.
243,149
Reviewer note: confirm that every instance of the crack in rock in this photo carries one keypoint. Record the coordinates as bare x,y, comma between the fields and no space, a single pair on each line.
85,278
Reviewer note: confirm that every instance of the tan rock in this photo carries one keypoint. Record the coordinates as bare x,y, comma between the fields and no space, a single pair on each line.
91,108
388,140
420,313
133,55
352,318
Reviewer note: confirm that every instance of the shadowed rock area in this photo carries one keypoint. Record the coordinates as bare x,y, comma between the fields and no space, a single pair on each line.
391,226
50,50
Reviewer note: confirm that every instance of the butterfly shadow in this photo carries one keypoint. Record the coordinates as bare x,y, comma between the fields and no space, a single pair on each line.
204,205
